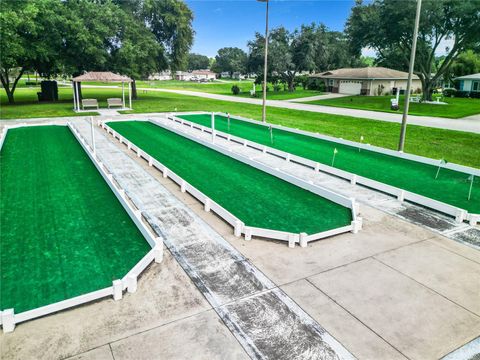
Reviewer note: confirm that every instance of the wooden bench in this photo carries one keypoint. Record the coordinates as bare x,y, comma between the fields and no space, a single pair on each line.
92,103
114,102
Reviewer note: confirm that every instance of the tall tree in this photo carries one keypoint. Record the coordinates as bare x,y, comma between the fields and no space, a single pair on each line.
198,62
387,27
231,59
135,51
171,23
29,33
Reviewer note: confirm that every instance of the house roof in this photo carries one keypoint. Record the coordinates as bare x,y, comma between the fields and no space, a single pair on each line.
469,77
105,76
366,73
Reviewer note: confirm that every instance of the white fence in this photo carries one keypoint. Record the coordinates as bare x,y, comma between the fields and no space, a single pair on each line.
8,319
239,227
459,214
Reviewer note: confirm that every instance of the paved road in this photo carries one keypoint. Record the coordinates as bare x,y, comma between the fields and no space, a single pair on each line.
471,124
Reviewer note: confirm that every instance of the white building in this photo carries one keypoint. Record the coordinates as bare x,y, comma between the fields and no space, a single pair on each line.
164,75
195,75
469,83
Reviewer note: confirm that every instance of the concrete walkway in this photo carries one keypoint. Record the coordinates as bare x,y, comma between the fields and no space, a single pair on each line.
317,97
466,124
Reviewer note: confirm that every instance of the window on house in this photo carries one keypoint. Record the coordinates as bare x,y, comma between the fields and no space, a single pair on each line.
476,86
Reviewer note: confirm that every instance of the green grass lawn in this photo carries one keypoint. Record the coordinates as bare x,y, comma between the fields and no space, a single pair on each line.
224,88
255,197
455,146
456,108
63,231
451,187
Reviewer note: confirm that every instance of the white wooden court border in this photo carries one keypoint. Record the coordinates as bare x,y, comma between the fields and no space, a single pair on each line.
239,227
459,214
8,318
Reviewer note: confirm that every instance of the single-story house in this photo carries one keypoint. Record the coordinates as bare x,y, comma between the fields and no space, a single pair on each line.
195,75
367,81
469,83
164,75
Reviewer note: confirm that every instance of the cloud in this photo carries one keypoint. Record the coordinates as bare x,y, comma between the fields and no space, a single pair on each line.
368,51
442,47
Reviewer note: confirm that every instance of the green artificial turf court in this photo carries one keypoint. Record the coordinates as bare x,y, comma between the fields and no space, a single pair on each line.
255,197
64,233
451,187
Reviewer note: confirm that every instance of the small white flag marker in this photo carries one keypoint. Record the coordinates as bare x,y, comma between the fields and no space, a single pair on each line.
270,128
442,162
361,141
335,151
471,177
228,119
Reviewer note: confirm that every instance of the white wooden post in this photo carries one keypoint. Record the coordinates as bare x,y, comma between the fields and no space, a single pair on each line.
237,230
8,320
117,289
213,127
74,97
123,94
303,239
158,251
130,95
78,98
93,136
131,284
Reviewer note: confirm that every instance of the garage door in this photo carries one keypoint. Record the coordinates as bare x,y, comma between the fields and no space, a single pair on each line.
350,87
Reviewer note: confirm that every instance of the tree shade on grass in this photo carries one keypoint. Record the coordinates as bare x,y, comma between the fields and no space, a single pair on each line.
64,233
255,197
451,187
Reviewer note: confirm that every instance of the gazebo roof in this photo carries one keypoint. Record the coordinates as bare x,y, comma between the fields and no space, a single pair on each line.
104,76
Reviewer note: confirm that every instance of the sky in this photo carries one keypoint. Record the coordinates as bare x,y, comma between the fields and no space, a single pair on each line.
231,23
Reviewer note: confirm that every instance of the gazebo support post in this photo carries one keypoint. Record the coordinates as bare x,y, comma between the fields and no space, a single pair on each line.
74,97
123,94
130,95
78,99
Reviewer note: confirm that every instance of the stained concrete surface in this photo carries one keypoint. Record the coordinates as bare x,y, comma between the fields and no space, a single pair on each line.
202,336
421,324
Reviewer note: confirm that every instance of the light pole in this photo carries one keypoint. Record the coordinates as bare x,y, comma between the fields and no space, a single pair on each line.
401,143
264,87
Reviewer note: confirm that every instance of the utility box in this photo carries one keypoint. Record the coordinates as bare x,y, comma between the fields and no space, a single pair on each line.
49,91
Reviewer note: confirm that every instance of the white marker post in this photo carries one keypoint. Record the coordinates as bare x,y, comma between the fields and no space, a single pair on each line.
471,177
361,142
270,127
335,151
213,127
93,136
442,162
228,119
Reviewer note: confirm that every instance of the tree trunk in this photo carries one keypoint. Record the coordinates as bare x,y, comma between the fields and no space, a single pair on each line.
134,90
427,85
11,100
6,84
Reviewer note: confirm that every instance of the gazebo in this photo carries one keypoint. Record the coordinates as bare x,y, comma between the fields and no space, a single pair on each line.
101,76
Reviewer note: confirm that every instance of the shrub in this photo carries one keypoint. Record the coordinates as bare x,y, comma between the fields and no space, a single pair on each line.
235,90
449,92
462,94
316,84
277,88
302,80
28,83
